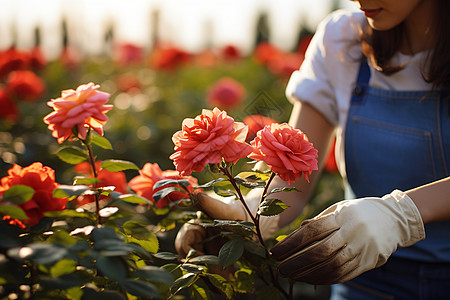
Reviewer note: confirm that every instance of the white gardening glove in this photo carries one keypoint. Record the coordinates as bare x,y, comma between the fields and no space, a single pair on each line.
191,236
349,238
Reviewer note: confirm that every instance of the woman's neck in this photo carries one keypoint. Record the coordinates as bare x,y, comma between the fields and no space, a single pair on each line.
418,28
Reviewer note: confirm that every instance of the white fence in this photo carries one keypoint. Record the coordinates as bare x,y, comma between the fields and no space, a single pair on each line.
192,25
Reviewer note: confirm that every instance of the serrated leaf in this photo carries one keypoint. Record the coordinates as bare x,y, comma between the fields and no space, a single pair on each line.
13,211
224,192
211,183
72,155
166,256
205,259
271,207
151,244
251,184
18,194
231,251
284,189
137,230
62,267
181,182
183,282
101,141
254,248
115,165
191,268
67,213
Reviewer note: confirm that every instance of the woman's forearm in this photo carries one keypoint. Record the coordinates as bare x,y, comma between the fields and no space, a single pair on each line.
432,200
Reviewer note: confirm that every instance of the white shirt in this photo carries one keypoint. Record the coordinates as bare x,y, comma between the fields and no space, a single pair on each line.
328,74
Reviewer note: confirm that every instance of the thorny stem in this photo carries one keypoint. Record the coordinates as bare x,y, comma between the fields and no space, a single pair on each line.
256,222
94,172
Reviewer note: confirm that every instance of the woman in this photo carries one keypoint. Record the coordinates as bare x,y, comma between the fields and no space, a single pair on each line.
378,80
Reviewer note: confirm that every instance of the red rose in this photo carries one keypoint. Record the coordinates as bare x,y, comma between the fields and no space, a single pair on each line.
226,93
42,180
286,150
210,138
8,109
149,175
26,85
255,123
105,177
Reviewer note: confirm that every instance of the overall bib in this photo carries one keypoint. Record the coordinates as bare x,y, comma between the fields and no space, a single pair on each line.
399,140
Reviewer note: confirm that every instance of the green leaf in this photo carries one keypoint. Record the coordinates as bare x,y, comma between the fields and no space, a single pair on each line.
18,194
151,244
140,288
181,182
101,142
224,192
251,184
278,190
271,207
115,165
62,267
64,191
254,248
191,268
13,211
81,180
221,283
72,155
137,230
165,192
154,274
42,253
211,183
67,213
244,281
129,198
231,251
205,259
199,293
113,267
166,256
60,283
104,233
183,282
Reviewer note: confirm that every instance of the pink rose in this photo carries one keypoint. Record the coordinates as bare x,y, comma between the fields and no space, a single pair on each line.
82,108
286,150
149,175
207,139
226,93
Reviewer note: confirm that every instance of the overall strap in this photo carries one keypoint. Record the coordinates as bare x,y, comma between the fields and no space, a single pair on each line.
362,83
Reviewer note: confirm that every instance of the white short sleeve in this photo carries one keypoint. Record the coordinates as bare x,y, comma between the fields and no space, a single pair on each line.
330,65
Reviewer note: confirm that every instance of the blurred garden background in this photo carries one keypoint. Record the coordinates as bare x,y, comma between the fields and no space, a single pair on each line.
161,61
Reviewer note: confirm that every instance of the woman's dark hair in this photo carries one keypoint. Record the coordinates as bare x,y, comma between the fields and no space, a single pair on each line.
380,46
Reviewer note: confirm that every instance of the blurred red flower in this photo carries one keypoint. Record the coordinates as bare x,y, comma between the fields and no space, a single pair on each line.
210,138
25,85
105,177
8,109
152,173
304,43
37,60
42,180
283,65
128,82
255,123
226,93
265,52
230,53
168,58
286,150
82,108
330,162
127,53
12,60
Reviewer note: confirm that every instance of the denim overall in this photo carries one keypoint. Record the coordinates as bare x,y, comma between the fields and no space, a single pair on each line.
399,140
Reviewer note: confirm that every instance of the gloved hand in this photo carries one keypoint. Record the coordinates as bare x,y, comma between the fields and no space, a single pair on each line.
192,236
349,238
